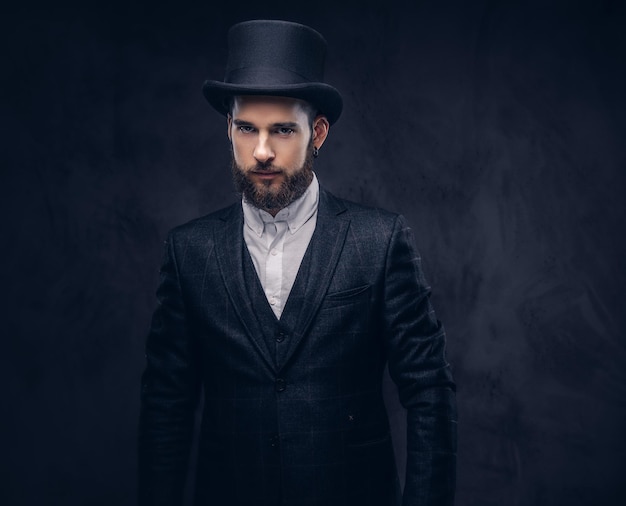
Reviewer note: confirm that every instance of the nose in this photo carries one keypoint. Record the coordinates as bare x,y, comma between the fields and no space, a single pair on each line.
263,152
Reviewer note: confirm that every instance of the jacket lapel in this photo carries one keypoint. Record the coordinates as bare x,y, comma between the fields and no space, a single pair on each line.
229,254
325,249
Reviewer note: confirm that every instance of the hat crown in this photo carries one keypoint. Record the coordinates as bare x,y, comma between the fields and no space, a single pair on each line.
270,51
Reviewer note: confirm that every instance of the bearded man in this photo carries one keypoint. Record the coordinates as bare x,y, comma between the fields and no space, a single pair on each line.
284,310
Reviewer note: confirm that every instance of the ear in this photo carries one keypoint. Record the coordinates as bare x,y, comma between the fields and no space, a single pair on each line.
230,124
320,130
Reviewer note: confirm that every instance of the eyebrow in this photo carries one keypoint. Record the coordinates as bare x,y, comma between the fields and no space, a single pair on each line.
284,124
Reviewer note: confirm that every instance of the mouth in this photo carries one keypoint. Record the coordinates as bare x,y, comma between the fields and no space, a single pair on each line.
265,175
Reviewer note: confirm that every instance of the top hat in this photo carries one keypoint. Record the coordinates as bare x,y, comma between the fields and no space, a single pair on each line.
276,58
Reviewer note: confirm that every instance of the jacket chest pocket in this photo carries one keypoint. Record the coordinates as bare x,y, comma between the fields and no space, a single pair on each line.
357,296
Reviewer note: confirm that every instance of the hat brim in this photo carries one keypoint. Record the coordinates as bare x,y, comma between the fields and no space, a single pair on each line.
323,96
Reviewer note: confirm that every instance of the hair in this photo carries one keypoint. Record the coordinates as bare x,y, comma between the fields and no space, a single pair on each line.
309,109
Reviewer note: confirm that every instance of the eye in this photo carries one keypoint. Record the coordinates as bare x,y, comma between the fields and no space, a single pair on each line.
245,129
285,131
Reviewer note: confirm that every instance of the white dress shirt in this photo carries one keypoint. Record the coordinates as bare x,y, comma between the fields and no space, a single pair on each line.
277,243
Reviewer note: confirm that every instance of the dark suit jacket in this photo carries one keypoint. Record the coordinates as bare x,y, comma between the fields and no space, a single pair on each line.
293,411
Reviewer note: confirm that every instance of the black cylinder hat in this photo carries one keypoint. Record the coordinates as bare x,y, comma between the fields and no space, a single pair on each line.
276,58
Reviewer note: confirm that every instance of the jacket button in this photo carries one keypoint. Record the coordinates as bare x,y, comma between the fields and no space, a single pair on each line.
280,337
280,385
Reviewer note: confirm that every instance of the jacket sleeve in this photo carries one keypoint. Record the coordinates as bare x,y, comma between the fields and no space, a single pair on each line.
169,393
417,364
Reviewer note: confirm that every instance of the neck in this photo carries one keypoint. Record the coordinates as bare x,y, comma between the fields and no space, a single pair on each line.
273,212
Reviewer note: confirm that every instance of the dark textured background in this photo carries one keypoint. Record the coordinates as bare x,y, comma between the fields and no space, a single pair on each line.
497,128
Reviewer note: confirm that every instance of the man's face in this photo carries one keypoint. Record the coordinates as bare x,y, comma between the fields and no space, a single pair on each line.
272,141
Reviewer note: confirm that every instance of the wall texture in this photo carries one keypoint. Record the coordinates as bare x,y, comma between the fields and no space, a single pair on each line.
497,128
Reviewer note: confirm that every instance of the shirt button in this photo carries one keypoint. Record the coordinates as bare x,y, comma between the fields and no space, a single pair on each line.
280,385
272,301
274,252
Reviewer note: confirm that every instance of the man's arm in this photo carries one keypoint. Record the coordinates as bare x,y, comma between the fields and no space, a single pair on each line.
417,364
169,391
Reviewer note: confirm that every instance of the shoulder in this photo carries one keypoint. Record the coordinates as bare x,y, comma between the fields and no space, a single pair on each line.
358,214
203,225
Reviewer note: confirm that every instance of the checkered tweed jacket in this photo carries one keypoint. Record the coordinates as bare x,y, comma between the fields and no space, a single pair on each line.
293,411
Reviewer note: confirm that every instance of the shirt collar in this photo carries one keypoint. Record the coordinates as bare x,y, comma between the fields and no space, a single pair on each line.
295,214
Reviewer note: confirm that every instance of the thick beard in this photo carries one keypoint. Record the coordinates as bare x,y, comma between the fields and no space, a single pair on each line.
264,196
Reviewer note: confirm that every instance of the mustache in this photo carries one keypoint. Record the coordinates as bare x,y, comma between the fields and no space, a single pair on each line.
265,167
